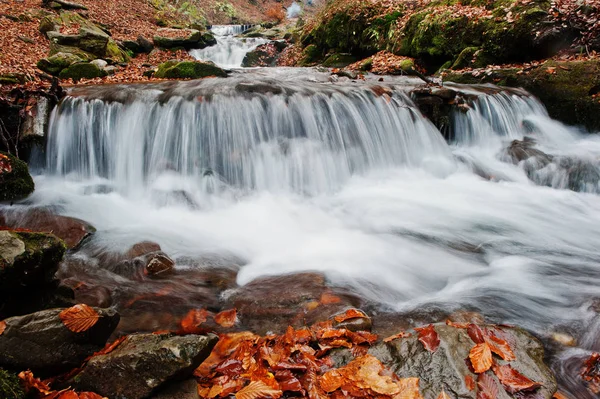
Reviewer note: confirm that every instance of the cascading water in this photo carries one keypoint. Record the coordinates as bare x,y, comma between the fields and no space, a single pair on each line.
287,173
230,50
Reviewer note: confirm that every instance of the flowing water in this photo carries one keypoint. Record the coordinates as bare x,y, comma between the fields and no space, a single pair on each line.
287,173
230,50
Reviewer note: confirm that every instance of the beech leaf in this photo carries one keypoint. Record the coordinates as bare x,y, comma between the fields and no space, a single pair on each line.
31,382
226,318
79,318
193,319
365,373
409,389
512,380
401,334
256,390
2,327
469,382
487,387
500,347
428,337
481,358
350,314
443,395
331,380
475,333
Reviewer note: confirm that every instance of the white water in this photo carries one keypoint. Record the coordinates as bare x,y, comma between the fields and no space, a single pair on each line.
230,50
339,180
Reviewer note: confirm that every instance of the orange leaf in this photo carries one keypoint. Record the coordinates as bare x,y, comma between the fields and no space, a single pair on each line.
500,347
79,318
256,390
559,395
475,333
68,395
226,318
90,395
469,382
31,382
328,298
331,380
2,327
193,319
488,388
401,334
443,395
428,337
512,380
111,347
365,373
350,314
457,325
409,389
481,357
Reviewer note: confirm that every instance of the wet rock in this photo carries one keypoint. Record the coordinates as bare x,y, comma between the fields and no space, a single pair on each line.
92,295
445,369
188,70
143,363
265,55
71,230
138,46
142,248
159,265
82,70
57,62
187,389
520,150
355,323
15,181
168,38
41,342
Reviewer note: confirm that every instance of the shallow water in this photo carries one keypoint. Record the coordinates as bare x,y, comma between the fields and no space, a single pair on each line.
286,172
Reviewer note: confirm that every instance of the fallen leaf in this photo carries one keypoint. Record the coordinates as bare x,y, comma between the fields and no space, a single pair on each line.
469,382
500,347
559,395
111,347
443,395
457,325
226,318
193,319
350,314
591,372
428,337
79,318
68,395
401,334
409,389
256,390
90,395
512,380
365,373
31,382
2,327
331,380
475,333
487,387
481,358
328,298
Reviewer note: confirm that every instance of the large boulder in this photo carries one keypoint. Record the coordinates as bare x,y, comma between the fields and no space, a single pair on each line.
143,363
72,231
188,70
15,181
168,38
41,342
57,62
446,368
265,55
82,70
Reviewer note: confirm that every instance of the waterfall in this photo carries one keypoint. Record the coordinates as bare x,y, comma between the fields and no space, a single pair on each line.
230,50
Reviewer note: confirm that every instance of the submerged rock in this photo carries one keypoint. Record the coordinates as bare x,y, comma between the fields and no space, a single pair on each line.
15,181
143,363
71,230
41,342
188,70
446,368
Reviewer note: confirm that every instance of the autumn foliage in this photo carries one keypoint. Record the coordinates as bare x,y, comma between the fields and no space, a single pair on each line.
275,13
79,318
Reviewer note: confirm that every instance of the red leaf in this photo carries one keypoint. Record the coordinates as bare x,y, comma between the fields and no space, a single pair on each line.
192,321
428,337
89,395
469,382
457,325
31,382
401,334
475,333
487,387
226,318
512,380
2,327
350,314
500,347
111,347
481,358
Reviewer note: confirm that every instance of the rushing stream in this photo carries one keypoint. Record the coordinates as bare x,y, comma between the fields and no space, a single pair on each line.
230,50
287,173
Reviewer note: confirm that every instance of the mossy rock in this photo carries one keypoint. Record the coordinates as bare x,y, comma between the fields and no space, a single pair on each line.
84,55
49,23
12,78
83,70
339,60
464,59
28,261
57,62
188,70
115,54
15,181
566,88
10,386
184,38
310,55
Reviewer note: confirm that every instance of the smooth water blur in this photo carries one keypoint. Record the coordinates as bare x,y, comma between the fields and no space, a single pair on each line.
300,174
230,50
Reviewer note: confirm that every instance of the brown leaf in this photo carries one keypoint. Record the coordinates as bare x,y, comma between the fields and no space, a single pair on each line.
32,383
365,373
401,334
331,380
256,390
469,382
226,318
475,333
591,372
111,347
90,395
443,395
457,325
193,319
68,395
328,298
481,357
559,395
500,347
2,327
512,380
350,314
409,389
487,387
79,318
428,337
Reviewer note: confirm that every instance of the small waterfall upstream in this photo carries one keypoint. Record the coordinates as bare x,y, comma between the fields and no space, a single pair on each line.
287,173
230,50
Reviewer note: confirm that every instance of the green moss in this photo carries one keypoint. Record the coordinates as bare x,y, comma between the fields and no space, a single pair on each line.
57,62
82,70
188,70
310,55
16,184
10,386
464,59
115,54
339,60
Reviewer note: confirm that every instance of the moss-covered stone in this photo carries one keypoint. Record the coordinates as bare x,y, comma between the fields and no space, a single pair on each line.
188,70
83,70
84,55
565,87
339,60
464,59
49,23
10,386
15,181
184,38
57,62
